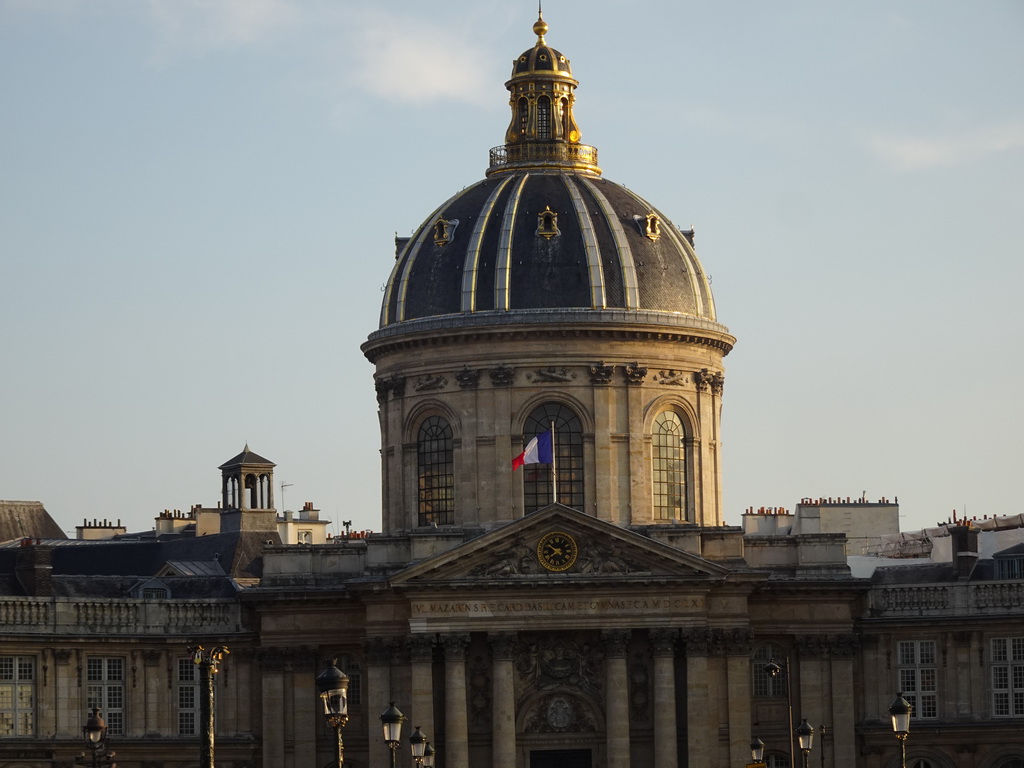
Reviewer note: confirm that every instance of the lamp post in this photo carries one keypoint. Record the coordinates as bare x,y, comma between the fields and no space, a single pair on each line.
208,662
774,669
899,711
805,735
392,719
822,745
95,734
418,742
333,686
756,750
428,756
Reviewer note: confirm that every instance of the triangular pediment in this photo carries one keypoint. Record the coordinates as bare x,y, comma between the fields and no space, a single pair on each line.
558,544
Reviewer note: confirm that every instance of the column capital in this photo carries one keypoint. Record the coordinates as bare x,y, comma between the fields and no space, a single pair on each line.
421,648
378,651
503,645
823,646
663,641
455,646
615,641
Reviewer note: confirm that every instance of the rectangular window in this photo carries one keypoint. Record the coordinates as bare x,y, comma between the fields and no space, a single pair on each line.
918,677
105,691
1008,676
17,695
188,698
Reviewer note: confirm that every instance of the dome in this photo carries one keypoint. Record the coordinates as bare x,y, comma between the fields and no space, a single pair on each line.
541,59
544,238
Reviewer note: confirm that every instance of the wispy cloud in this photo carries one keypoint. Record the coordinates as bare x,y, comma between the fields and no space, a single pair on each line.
409,60
920,152
198,26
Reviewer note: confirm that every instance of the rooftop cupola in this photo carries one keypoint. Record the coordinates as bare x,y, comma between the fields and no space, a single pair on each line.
543,132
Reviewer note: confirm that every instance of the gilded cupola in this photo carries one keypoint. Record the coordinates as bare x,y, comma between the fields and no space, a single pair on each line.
543,131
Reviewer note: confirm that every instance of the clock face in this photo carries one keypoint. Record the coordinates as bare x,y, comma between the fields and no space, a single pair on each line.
557,551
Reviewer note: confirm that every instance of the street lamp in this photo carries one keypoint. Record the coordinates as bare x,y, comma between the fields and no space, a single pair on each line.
899,711
805,734
208,661
774,669
428,756
418,742
333,686
392,719
757,750
95,734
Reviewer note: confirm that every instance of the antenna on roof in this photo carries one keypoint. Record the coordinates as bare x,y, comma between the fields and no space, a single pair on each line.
283,486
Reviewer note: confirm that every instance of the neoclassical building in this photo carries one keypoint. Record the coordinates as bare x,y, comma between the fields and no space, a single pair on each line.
592,611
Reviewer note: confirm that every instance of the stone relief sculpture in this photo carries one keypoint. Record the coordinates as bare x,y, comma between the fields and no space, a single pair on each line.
551,662
552,375
430,383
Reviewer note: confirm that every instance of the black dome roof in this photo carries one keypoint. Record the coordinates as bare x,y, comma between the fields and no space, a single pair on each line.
546,240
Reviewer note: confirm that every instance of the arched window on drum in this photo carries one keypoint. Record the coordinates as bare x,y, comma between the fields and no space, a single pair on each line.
668,464
542,483
435,472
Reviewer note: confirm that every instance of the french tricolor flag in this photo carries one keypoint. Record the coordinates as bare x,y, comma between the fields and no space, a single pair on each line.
538,451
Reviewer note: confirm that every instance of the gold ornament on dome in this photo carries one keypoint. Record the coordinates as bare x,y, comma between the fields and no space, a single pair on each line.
547,223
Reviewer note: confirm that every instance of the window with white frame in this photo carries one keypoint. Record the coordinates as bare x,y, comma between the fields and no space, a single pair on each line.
918,676
188,697
1007,676
105,691
17,696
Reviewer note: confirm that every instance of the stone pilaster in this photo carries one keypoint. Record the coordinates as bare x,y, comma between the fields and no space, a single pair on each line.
421,666
702,724
503,711
616,696
456,732
663,648
304,696
378,694
272,663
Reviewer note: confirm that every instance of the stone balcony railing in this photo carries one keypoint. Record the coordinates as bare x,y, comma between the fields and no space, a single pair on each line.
980,598
118,617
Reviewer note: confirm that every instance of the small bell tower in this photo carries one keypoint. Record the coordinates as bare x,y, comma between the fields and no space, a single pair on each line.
247,493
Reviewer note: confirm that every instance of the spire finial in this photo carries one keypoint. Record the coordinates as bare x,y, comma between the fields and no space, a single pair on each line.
540,27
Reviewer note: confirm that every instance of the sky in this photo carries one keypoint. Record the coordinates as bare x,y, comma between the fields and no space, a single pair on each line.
199,199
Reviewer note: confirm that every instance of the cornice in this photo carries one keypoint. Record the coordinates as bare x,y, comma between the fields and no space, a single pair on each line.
460,329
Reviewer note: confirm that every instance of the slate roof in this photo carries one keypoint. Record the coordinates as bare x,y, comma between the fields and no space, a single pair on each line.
246,457
27,520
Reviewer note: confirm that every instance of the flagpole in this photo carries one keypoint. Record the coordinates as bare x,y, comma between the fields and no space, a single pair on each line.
554,472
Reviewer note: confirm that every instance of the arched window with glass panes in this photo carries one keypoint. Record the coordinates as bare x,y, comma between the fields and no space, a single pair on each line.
668,467
435,472
764,685
542,483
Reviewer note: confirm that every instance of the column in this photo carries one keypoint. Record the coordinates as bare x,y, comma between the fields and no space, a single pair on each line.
503,695
456,726
663,648
306,710
616,696
739,690
378,693
701,723
843,713
421,664
272,662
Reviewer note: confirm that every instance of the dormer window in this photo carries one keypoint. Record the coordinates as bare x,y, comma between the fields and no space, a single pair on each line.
547,223
444,231
1010,568
653,229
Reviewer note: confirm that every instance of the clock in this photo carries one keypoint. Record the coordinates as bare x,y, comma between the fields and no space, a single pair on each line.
557,551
